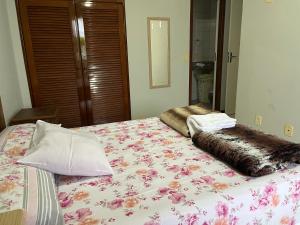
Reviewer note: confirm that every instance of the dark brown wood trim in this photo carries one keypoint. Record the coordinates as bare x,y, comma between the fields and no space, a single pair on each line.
126,63
2,120
18,9
219,64
28,55
77,57
124,50
191,52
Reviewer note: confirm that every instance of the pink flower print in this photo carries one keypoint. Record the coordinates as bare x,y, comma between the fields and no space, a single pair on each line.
117,203
81,214
208,179
129,213
163,191
296,196
297,186
131,193
92,183
64,200
296,192
270,189
68,217
192,219
115,162
229,173
233,220
203,157
11,177
66,203
263,202
101,131
222,209
108,148
173,168
136,147
197,181
146,159
141,125
149,135
106,180
176,197
185,172
152,173
152,222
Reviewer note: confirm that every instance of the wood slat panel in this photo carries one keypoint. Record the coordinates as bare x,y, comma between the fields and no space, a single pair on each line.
105,65
52,51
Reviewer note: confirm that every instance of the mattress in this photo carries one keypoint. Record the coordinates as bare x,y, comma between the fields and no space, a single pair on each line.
161,178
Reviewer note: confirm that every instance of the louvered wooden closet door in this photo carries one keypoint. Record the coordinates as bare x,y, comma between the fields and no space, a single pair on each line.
51,48
104,52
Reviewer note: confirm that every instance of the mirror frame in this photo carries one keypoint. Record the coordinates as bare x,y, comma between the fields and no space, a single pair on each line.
149,19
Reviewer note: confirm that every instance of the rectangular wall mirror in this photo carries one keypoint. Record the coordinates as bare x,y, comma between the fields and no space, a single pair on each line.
159,51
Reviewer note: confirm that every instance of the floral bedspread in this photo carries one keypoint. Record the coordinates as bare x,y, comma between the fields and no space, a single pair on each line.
160,178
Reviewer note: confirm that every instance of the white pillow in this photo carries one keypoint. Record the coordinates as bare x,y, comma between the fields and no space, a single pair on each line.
43,127
67,152
40,130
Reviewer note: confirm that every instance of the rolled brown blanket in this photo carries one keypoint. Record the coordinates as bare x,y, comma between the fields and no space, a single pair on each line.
250,152
176,117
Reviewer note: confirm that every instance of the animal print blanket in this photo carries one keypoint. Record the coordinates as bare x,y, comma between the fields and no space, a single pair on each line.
251,152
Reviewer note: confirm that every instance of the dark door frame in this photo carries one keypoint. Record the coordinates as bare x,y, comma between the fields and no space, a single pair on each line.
219,60
2,120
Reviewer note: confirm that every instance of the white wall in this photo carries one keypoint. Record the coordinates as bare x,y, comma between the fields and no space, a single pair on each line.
147,102
18,53
9,84
269,72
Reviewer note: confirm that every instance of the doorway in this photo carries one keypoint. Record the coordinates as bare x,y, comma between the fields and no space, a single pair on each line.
233,24
206,52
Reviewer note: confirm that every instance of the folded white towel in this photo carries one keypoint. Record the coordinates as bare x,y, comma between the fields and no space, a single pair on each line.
209,123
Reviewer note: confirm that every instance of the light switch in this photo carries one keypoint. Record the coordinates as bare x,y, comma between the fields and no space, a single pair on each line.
258,120
289,130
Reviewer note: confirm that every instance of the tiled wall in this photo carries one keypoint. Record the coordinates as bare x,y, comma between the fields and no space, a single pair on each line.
204,30
204,34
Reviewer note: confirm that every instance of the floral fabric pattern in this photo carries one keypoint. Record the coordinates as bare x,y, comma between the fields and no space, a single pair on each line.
13,146
11,188
161,178
27,188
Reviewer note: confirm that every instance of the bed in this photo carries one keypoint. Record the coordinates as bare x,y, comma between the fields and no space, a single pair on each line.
160,178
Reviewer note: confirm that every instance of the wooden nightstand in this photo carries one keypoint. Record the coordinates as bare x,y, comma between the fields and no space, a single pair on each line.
15,217
48,114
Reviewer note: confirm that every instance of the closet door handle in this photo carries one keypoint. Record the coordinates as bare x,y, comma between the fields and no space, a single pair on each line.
231,56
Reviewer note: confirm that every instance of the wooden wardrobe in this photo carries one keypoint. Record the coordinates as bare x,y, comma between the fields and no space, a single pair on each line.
76,58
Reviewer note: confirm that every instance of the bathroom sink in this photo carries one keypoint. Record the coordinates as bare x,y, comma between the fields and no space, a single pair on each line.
203,67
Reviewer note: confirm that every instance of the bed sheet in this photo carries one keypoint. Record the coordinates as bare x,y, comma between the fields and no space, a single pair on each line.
161,178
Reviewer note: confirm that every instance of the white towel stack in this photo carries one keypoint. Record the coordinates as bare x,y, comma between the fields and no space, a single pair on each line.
209,123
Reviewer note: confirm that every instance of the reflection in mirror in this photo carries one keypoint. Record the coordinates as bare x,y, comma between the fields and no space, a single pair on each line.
159,51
